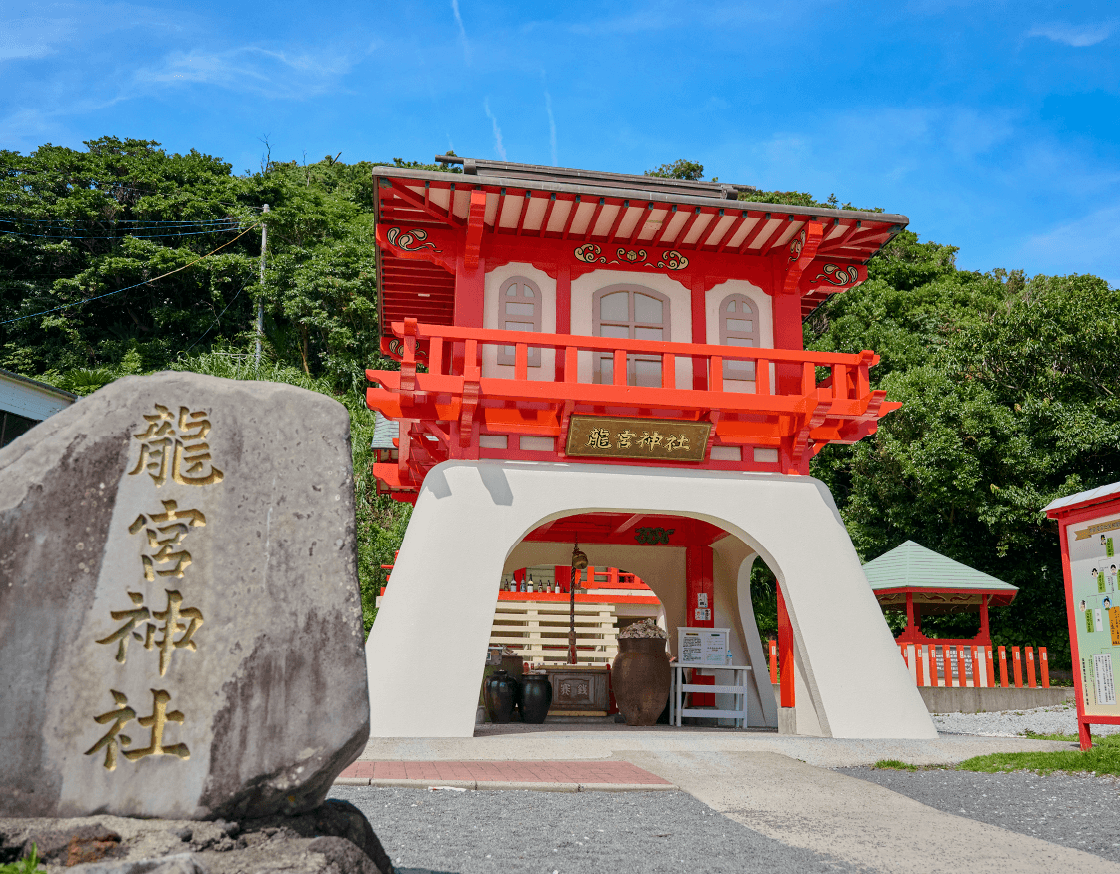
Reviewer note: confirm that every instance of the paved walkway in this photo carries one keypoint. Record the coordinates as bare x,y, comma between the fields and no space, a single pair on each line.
781,787
570,776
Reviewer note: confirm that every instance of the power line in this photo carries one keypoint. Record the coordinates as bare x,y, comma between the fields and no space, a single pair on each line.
61,223
137,285
216,321
117,237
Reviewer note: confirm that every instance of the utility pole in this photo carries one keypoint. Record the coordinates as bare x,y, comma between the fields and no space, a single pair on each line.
260,300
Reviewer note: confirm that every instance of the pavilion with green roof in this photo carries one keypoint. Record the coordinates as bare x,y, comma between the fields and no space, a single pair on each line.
926,582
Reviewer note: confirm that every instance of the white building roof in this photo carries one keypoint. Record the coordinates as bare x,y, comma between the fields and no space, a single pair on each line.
1100,493
30,398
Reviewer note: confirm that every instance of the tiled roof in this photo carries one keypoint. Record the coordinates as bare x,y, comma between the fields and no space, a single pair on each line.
917,567
385,431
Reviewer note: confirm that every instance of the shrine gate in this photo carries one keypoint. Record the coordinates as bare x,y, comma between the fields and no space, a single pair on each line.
619,359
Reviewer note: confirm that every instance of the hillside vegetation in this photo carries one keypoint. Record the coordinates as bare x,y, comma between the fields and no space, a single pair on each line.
1008,384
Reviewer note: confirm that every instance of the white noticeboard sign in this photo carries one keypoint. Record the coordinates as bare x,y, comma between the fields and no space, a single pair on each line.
703,646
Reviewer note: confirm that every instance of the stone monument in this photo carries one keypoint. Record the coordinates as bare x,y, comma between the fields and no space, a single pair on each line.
180,623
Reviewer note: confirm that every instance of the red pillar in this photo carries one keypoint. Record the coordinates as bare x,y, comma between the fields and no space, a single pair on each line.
699,332
788,335
470,294
700,590
563,311
785,652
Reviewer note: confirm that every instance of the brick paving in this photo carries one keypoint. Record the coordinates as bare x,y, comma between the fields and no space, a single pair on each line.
581,772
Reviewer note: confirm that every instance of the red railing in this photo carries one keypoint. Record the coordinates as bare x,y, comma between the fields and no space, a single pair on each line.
963,664
457,352
797,402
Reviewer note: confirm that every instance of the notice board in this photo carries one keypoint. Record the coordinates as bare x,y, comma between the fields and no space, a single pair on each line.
704,646
1094,555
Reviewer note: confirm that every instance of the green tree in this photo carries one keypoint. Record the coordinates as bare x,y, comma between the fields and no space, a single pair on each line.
76,227
1007,404
681,169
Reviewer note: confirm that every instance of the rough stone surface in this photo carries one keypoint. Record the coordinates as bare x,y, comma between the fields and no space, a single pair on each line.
180,863
220,511
334,838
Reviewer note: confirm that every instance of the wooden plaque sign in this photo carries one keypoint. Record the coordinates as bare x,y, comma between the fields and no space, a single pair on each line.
653,439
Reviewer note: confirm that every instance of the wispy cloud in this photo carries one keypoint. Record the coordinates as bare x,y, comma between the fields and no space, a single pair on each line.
25,38
1077,35
498,147
1069,246
551,127
252,69
462,31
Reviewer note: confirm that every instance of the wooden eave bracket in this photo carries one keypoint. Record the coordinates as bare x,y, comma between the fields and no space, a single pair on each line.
476,217
802,252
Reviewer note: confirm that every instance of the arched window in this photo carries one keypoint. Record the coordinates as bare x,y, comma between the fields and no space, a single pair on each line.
738,326
519,309
630,312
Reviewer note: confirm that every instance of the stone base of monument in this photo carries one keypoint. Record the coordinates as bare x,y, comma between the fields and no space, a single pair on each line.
335,838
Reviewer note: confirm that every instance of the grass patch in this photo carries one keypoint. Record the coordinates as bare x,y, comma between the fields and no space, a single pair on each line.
1034,735
26,865
894,765
1103,758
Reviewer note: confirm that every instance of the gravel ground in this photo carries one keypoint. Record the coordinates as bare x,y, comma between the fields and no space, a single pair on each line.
1073,811
487,832
1061,719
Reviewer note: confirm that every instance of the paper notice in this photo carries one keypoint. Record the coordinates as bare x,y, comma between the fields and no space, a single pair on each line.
1106,689
1114,624
692,649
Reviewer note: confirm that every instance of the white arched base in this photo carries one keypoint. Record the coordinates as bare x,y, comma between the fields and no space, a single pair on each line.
427,649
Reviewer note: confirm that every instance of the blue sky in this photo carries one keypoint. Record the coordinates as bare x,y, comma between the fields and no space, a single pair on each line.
995,127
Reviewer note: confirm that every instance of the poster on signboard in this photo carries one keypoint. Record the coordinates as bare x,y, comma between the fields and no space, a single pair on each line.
703,646
1093,561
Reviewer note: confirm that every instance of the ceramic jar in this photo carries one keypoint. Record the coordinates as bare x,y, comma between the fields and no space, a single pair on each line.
501,696
536,697
640,678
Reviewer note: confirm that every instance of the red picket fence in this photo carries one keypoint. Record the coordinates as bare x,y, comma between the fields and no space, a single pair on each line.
962,664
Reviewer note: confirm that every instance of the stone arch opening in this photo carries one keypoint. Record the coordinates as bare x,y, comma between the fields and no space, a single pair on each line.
470,518
668,552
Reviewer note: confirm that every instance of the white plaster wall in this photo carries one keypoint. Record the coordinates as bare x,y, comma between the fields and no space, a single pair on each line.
680,312
731,569
492,319
712,300
434,622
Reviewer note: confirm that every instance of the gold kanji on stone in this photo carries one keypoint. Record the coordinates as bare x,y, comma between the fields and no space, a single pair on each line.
165,532
178,628
176,446
114,741
134,617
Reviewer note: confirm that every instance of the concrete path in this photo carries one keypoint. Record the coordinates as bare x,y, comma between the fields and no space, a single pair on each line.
519,742
781,787
856,821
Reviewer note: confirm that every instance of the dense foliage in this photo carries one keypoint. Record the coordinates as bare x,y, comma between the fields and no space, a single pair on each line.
1009,398
78,226
1009,401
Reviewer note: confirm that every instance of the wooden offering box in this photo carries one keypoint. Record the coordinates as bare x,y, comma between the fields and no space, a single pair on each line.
579,690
